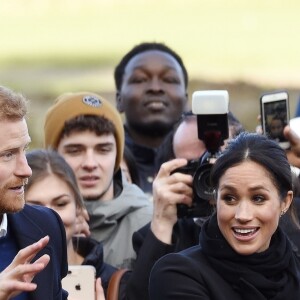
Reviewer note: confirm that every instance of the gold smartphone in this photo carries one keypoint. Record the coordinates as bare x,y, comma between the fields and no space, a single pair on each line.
80,282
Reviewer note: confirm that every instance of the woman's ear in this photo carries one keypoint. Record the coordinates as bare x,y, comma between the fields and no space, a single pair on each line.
286,203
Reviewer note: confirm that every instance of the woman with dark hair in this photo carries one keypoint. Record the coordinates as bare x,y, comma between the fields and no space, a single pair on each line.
243,253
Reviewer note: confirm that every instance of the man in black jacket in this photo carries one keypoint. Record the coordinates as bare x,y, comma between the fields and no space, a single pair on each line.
151,83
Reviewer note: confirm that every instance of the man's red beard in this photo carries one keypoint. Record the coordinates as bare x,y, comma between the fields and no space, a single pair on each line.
10,203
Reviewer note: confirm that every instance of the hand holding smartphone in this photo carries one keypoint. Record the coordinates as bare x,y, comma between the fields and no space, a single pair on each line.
80,282
275,116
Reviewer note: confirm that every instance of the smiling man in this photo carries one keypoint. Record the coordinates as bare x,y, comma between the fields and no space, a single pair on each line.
151,82
32,239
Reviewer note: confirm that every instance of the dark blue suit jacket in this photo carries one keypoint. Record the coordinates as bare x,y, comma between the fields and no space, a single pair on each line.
28,226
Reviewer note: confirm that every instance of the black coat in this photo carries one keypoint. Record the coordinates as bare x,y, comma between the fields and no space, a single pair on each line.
149,249
191,281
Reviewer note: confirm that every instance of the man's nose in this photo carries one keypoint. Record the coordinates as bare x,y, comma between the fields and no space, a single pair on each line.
22,168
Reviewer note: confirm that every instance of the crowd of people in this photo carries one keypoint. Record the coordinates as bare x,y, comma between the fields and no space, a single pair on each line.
124,196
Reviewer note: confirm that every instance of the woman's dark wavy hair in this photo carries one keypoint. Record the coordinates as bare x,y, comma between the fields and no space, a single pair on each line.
257,148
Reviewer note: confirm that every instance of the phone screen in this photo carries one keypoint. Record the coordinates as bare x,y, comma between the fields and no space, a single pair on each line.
275,116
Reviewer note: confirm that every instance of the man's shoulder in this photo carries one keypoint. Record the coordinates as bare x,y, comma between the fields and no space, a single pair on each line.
37,214
37,210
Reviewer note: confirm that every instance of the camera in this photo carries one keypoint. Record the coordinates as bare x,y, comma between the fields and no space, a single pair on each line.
211,109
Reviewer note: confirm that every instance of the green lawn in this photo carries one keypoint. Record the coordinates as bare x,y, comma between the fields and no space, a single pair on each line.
225,38
53,46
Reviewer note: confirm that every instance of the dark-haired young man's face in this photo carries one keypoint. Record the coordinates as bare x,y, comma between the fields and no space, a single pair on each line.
153,93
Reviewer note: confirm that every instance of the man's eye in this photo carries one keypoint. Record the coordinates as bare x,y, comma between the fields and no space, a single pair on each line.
171,80
7,156
72,150
138,79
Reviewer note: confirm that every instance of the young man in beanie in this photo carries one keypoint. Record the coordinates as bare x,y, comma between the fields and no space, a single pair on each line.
88,132
151,82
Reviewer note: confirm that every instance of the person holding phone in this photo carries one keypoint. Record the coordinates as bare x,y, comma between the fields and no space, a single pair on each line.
243,253
275,116
53,184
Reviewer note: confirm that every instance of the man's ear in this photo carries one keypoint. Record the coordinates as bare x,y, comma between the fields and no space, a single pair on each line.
119,102
186,106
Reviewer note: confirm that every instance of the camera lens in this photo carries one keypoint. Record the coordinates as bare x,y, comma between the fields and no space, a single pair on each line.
201,183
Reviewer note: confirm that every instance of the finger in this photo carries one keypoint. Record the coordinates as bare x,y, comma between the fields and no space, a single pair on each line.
25,271
291,135
85,214
43,260
176,193
11,288
26,254
99,290
82,227
36,267
168,167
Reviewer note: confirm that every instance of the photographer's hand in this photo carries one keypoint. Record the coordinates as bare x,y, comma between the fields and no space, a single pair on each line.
169,190
294,153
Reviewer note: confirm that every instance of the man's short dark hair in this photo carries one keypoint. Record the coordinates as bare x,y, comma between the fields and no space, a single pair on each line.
143,47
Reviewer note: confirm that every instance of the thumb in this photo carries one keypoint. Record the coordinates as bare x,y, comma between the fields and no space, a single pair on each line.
291,135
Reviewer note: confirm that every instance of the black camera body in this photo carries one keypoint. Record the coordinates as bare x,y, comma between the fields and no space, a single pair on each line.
211,109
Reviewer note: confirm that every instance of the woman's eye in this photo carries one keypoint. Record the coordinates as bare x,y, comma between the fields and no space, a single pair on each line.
61,204
258,198
228,198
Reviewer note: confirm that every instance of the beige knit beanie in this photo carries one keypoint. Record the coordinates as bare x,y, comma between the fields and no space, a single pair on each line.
70,105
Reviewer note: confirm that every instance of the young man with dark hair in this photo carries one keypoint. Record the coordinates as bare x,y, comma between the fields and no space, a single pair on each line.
88,132
151,82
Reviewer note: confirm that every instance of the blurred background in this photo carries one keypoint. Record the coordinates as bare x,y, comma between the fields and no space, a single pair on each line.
49,47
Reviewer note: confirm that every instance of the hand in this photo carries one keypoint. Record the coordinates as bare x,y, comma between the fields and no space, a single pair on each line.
17,277
293,154
82,227
169,190
99,290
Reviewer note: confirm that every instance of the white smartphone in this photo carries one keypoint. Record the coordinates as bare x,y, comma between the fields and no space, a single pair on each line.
275,116
80,282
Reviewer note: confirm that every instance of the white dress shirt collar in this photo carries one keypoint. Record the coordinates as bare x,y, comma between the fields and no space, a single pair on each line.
3,226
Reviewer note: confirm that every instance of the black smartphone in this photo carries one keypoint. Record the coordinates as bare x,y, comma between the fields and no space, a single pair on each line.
275,116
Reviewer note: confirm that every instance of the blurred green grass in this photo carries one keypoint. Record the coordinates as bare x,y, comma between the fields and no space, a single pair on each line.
214,37
52,46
